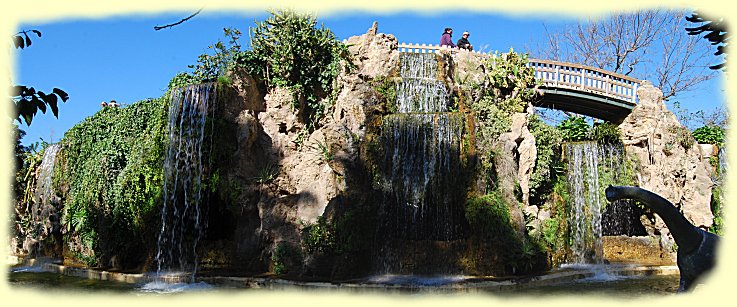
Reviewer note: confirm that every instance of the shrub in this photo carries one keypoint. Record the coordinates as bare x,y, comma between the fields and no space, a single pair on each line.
489,219
295,54
606,133
709,135
574,129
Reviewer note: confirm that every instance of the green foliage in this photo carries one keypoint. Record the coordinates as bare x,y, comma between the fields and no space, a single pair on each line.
297,55
511,83
548,164
550,229
510,89
267,173
27,100
574,129
110,174
606,133
716,210
28,159
489,219
318,237
284,258
555,229
324,149
491,225
709,135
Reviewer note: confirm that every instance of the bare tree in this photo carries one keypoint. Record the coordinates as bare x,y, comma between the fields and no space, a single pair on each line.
649,45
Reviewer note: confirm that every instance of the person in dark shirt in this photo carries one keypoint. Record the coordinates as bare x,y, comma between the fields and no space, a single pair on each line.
446,38
463,42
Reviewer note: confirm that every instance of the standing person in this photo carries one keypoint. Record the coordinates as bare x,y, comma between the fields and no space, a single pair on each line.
463,42
446,39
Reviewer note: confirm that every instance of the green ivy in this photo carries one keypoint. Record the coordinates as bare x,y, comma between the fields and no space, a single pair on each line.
110,174
548,163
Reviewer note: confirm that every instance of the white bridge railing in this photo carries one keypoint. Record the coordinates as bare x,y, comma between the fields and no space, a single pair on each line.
563,75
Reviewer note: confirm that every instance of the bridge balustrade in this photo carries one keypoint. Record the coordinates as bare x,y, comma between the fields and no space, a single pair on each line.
562,75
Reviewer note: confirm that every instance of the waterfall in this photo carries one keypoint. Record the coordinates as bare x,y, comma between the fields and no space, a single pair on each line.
591,167
422,162
44,211
182,221
583,180
420,90
420,172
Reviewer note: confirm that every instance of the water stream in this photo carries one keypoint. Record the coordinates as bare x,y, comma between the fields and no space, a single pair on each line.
182,220
45,214
421,172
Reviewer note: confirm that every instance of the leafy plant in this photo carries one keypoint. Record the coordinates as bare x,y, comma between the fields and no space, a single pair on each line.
574,129
319,237
606,133
297,55
716,209
26,99
548,162
212,67
709,135
325,151
682,136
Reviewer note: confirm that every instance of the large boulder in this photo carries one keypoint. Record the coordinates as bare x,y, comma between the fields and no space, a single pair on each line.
670,162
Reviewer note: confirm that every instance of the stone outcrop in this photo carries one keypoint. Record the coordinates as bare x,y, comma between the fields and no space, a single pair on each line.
669,162
294,174
516,162
375,53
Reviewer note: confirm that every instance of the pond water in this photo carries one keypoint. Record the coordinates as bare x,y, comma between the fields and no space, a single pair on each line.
607,285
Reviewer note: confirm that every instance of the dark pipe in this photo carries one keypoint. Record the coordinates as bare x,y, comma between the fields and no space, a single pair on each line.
696,247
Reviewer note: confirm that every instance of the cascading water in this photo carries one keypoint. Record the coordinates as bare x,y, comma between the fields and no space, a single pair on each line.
182,220
585,220
44,211
421,168
422,163
590,163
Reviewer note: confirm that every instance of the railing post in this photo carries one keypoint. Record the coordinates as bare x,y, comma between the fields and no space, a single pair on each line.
634,92
583,76
555,82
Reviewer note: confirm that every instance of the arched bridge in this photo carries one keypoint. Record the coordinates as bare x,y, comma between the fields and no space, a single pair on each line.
573,87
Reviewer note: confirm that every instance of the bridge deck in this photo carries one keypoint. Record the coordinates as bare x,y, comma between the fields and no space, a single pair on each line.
572,87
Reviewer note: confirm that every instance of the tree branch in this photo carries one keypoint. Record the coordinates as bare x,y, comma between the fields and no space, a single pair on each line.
179,22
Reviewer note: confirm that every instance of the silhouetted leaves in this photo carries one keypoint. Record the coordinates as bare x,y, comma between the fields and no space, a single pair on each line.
24,41
28,102
716,34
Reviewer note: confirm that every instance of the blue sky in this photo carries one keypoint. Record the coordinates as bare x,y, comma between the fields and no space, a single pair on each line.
123,58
